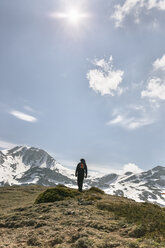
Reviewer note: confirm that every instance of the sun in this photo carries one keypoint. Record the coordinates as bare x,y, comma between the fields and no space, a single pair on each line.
73,16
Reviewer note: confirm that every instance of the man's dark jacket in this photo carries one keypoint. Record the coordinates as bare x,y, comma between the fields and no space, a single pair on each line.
81,170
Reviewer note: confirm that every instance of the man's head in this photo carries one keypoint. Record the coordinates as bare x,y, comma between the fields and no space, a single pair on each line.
82,160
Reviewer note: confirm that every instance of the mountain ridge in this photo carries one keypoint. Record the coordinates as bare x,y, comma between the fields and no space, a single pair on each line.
23,165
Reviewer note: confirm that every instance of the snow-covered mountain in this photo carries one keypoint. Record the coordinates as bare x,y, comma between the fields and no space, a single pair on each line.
29,165
145,186
24,165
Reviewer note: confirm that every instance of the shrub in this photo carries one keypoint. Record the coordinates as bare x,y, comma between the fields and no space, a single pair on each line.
92,197
56,194
95,190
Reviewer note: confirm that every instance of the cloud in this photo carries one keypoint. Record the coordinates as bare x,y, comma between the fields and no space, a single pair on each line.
132,168
105,79
23,116
109,169
6,145
158,4
159,64
122,11
155,89
133,116
131,123
135,7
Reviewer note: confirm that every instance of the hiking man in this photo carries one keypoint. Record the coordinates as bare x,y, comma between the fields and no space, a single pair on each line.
81,170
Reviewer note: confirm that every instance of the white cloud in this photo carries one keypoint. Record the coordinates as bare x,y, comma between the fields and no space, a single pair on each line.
159,4
132,168
105,79
131,123
134,7
122,11
6,145
155,89
23,116
109,169
159,64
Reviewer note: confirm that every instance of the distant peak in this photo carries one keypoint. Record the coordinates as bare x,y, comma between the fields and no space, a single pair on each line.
22,147
158,168
18,148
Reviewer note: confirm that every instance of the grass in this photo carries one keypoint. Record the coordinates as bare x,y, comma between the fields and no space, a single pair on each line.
18,197
95,190
58,193
90,219
149,218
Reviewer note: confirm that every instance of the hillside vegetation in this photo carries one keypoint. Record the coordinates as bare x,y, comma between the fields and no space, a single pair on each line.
37,216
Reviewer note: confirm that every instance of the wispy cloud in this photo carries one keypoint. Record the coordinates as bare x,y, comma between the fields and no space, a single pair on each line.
23,116
6,145
132,117
135,7
105,79
130,123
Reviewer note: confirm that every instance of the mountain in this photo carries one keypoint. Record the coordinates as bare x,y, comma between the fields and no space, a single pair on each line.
145,186
29,165
24,165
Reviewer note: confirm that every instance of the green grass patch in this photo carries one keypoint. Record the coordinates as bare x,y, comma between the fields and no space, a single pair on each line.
95,190
58,193
149,218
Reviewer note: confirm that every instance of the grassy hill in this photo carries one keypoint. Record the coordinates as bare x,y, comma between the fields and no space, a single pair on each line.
29,218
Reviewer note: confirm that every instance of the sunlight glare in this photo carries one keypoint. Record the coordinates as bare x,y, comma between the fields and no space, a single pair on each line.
74,16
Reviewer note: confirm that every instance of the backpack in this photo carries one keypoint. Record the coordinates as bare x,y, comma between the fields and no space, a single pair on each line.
82,166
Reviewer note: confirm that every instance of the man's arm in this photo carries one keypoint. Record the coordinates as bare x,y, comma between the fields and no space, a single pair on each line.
86,171
76,172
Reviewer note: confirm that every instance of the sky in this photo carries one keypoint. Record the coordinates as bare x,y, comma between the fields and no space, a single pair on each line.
84,79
